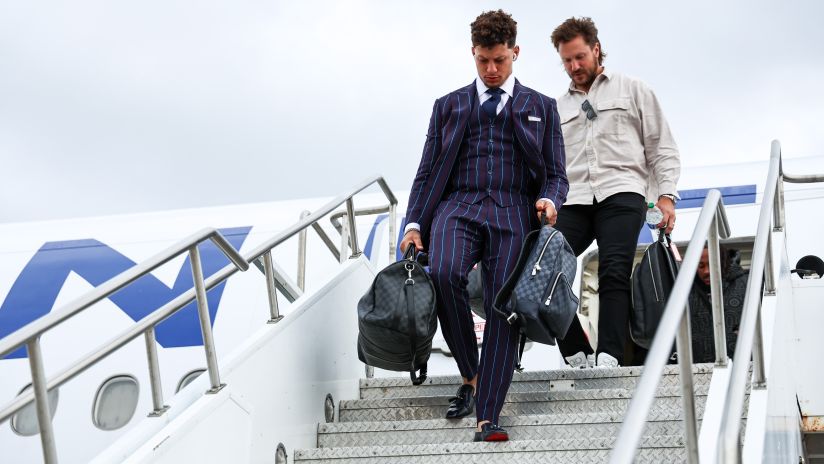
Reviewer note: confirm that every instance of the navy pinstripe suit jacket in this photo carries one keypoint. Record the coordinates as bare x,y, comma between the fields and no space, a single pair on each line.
541,142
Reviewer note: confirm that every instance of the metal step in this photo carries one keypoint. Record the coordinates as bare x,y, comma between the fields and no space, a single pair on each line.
534,427
517,404
563,416
531,381
657,449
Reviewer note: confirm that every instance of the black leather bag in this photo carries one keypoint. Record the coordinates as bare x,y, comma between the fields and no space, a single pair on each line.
652,282
397,319
537,297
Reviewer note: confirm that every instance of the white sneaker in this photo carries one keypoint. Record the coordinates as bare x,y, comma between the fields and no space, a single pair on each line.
606,360
591,360
577,361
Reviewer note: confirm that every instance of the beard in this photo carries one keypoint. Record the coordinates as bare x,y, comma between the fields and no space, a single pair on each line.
584,77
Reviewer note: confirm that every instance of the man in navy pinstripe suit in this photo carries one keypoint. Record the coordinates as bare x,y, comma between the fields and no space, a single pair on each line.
493,161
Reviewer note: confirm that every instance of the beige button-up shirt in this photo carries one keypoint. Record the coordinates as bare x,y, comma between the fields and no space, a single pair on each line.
627,147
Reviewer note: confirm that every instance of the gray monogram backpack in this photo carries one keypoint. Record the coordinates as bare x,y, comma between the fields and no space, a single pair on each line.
537,297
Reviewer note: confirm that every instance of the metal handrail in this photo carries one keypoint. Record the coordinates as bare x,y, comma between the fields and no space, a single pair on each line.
674,324
263,252
258,252
805,179
261,255
41,325
335,218
30,334
749,332
115,343
339,226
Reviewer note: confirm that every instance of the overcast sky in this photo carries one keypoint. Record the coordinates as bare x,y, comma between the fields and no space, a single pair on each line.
114,107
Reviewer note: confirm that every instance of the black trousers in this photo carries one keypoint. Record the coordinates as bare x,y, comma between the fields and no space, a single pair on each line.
614,223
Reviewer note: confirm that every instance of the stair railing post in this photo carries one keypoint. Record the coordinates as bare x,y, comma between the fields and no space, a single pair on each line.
302,254
41,401
717,294
684,346
778,201
759,377
353,232
344,239
392,231
154,374
769,276
205,321
271,289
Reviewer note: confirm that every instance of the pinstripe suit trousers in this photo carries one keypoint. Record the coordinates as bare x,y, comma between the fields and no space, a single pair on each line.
462,235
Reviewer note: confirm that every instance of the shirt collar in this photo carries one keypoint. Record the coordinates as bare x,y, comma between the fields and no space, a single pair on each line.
508,86
607,75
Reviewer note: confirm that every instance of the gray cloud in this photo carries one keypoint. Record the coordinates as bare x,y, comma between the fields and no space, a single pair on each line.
112,107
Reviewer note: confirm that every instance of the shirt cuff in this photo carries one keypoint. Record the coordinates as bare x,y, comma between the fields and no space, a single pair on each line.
411,226
550,202
668,188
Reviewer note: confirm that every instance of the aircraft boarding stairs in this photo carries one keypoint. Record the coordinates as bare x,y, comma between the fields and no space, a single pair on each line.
560,416
294,386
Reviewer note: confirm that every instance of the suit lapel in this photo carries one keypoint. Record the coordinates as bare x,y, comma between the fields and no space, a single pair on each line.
455,110
457,120
528,132
466,98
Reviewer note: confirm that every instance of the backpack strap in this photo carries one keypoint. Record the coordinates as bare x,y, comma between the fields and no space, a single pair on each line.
521,345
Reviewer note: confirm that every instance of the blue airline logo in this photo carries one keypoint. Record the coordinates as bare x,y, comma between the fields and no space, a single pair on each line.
34,292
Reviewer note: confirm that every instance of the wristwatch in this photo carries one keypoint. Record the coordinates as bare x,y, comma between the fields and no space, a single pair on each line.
671,197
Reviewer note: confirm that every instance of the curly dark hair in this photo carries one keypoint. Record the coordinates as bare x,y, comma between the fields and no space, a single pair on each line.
492,28
574,27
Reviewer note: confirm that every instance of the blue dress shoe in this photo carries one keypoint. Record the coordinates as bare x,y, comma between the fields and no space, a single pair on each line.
491,432
462,404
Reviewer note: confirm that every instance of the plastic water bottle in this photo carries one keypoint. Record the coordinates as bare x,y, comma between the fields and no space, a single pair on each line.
654,215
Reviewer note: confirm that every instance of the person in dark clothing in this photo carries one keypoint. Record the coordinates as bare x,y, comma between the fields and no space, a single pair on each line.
734,279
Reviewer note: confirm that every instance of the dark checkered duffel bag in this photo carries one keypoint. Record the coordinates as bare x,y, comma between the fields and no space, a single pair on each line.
397,319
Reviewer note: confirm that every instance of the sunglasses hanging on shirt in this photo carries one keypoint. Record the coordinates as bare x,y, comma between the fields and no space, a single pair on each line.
591,114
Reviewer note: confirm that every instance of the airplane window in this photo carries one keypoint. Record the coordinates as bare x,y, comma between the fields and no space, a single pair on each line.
25,421
115,402
188,378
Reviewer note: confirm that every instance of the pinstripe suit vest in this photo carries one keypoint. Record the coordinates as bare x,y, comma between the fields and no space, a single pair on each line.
537,130
490,163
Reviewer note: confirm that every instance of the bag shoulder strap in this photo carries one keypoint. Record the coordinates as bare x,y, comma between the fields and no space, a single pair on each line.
507,291
411,323
521,345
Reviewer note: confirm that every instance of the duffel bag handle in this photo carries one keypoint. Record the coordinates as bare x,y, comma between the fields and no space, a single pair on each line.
664,237
409,253
421,258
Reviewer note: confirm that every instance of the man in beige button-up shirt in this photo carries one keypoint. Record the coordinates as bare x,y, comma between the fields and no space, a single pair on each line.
620,151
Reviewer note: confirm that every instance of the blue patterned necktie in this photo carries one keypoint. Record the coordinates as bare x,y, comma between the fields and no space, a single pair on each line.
491,105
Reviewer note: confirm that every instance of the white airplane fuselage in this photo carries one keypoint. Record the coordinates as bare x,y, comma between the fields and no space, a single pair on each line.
45,265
